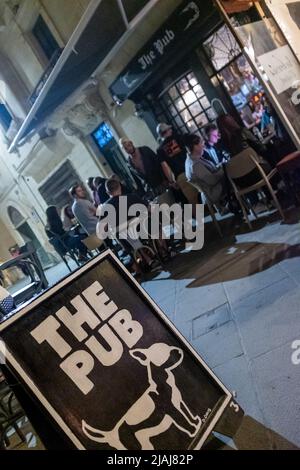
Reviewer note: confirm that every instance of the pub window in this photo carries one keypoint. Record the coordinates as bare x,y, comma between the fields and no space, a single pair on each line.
45,38
233,71
221,48
186,104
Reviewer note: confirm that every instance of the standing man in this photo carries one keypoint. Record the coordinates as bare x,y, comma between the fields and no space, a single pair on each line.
172,155
145,168
83,209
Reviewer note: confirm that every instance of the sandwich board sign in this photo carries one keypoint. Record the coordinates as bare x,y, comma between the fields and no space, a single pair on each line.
109,367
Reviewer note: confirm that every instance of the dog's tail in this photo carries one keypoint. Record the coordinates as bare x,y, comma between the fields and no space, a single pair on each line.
109,437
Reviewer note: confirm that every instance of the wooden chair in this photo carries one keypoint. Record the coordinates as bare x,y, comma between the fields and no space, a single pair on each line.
92,242
241,165
210,206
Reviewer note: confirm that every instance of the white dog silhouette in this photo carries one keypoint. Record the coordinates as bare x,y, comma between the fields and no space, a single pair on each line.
160,406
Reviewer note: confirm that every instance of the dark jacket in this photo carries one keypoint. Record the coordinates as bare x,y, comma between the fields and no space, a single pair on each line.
153,177
242,139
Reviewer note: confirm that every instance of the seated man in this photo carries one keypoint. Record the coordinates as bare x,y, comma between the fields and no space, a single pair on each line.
115,219
212,151
205,174
83,209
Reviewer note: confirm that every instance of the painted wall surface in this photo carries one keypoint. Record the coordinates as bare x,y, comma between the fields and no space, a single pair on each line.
65,15
37,159
7,240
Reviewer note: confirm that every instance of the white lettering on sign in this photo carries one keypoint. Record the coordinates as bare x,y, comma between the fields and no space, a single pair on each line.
91,310
78,366
160,45
147,60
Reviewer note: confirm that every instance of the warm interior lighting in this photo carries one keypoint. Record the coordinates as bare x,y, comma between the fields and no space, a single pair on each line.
236,6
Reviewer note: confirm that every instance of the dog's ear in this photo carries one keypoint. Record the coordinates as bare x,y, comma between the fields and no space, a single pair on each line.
139,355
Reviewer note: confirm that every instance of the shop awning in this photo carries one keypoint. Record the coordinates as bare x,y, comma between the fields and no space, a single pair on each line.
101,32
181,29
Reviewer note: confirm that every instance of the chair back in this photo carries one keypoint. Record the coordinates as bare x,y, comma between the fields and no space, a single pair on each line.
242,164
197,186
92,242
205,198
165,198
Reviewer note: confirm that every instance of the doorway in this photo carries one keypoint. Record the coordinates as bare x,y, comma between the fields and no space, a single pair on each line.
107,144
27,234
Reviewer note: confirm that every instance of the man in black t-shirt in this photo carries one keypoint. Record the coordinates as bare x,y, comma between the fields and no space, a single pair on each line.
172,156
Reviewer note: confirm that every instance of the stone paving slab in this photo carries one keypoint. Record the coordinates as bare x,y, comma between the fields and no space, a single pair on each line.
245,286
278,385
192,302
219,345
236,375
211,320
268,318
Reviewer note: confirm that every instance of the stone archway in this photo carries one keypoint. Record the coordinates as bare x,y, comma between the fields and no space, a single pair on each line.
25,231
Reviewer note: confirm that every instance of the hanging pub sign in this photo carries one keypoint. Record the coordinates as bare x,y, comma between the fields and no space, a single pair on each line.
181,27
109,367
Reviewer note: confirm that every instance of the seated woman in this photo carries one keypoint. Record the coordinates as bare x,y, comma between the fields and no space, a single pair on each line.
54,229
68,218
236,139
204,173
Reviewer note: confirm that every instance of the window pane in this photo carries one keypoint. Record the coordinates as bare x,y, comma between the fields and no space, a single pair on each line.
183,86
189,97
186,116
180,105
178,121
192,79
201,120
102,135
45,38
192,126
205,103
5,117
222,47
195,109
198,90
173,110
